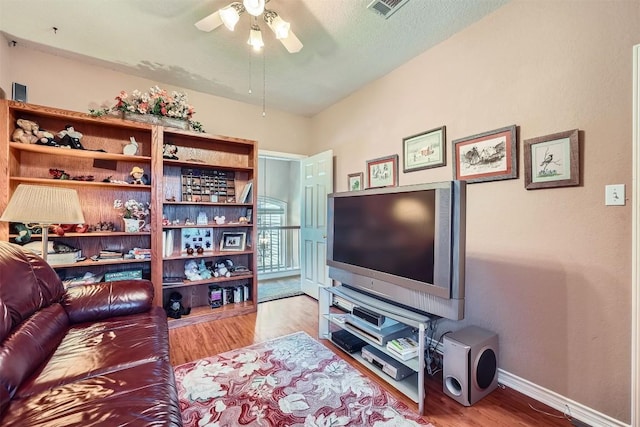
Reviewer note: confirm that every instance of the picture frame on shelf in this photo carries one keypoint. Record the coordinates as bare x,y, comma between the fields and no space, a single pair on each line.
552,160
192,238
382,172
488,156
425,150
354,181
233,241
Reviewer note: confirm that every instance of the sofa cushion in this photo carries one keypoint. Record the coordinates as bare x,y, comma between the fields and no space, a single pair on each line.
94,349
140,395
107,299
30,345
28,284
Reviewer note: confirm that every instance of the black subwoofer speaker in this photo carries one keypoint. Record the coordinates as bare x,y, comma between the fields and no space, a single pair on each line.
470,364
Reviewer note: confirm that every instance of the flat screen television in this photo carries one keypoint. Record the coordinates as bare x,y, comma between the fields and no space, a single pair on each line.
404,245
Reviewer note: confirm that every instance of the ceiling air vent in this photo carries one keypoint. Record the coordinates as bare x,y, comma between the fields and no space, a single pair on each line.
386,8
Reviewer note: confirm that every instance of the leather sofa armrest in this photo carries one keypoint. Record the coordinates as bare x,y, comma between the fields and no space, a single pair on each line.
108,299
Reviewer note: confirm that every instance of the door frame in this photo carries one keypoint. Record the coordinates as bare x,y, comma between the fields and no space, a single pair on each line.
635,251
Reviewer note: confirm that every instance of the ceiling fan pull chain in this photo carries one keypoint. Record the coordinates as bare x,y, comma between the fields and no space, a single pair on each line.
264,84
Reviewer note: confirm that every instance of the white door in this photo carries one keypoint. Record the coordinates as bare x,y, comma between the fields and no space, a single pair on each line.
316,182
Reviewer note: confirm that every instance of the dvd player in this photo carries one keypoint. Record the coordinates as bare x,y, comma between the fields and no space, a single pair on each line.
389,330
390,366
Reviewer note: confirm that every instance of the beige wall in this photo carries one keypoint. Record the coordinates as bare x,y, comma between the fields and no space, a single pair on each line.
5,83
74,85
549,270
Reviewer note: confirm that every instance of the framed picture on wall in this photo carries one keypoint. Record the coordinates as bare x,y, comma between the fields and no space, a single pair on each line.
489,156
552,160
355,181
425,150
383,172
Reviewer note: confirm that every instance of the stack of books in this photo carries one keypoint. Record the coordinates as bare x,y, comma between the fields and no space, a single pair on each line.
404,348
140,253
109,255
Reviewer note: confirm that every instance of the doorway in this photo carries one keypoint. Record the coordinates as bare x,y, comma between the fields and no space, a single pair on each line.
277,219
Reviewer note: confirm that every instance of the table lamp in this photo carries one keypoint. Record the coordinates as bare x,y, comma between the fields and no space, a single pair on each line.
43,206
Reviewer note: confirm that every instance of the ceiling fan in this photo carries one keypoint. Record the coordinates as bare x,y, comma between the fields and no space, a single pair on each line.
230,15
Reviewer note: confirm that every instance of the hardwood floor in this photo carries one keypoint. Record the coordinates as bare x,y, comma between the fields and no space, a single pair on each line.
503,407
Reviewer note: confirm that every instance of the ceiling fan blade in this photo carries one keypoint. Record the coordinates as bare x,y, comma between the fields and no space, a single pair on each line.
209,23
292,43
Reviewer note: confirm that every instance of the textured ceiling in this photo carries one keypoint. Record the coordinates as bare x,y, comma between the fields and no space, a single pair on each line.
346,45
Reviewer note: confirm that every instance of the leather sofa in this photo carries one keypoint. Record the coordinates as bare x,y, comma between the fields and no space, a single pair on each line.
87,356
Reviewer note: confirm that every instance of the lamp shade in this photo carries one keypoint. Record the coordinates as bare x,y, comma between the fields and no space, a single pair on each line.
45,205
230,15
280,27
255,38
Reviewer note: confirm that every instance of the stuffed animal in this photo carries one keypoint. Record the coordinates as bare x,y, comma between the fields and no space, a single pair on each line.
191,270
223,268
169,151
69,137
174,307
29,132
204,271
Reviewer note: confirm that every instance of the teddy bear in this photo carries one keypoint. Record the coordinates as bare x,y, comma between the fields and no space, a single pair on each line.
29,132
174,307
223,268
191,270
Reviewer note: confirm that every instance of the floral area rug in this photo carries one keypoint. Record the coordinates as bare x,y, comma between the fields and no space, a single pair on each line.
289,381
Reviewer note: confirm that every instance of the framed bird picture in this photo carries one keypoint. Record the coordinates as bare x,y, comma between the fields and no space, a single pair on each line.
552,160
489,156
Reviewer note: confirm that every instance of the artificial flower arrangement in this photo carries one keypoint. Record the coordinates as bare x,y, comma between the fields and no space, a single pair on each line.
156,102
131,209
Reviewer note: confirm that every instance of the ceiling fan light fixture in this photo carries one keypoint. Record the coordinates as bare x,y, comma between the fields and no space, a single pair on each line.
279,26
254,7
230,15
255,38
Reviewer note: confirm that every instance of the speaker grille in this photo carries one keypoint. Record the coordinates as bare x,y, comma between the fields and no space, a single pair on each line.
486,371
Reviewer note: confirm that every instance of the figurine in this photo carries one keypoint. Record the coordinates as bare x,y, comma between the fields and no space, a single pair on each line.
69,137
219,219
169,151
138,175
132,148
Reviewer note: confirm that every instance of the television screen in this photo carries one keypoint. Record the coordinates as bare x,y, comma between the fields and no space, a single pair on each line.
395,237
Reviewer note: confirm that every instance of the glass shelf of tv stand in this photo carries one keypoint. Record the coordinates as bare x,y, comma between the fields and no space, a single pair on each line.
334,318
412,386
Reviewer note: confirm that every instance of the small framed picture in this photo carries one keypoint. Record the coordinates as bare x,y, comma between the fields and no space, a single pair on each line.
425,150
383,172
552,160
196,237
489,156
233,241
355,181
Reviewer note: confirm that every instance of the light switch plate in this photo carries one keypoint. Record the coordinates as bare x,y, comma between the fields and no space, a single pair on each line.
614,195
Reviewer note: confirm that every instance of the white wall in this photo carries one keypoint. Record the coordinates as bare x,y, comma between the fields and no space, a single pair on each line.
549,270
